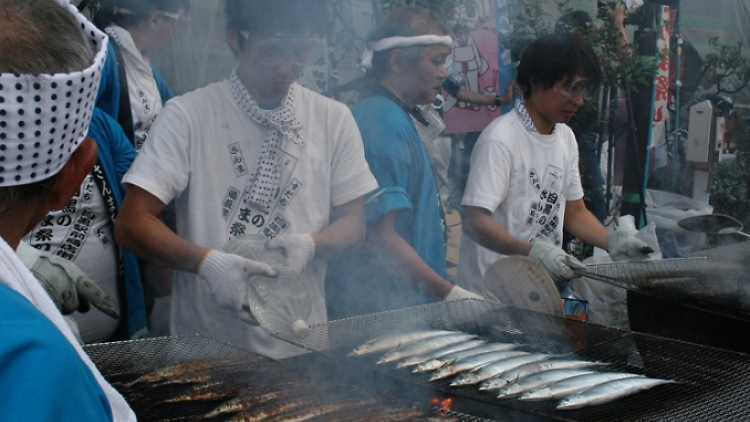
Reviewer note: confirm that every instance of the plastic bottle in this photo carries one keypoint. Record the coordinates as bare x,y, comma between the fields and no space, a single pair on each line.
282,304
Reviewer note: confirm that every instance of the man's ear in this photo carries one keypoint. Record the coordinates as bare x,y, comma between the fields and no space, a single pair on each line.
153,19
233,39
69,178
396,61
535,86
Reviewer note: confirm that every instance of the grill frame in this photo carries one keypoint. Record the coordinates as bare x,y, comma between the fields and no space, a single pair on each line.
713,382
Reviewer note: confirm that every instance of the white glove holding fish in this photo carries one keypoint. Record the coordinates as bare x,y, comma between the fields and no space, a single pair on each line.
228,276
298,249
459,293
69,288
622,244
559,265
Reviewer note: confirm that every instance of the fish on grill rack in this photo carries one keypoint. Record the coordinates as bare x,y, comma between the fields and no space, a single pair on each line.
268,411
169,372
376,411
574,385
185,373
453,348
477,375
241,403
531,368
609,391
426,345
472,362
391,341
537,380
214,390
434,364
306,412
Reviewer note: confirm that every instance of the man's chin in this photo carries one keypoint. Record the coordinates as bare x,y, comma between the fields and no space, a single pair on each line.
565,116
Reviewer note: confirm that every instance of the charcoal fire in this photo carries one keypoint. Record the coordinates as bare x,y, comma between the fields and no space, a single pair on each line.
444,403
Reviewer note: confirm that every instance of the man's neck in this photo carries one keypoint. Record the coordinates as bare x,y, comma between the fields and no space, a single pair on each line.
21,219
141,40
246,81
392,87
543,125
12,229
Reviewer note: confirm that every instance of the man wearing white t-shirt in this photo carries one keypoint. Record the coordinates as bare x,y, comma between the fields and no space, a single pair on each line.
524,185
254,154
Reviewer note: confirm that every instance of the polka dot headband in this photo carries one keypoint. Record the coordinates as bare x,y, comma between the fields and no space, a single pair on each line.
43,118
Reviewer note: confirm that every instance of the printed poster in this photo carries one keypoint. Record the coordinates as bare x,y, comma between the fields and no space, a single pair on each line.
476,56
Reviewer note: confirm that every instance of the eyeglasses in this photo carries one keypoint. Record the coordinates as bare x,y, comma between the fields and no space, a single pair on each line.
579,88
274,51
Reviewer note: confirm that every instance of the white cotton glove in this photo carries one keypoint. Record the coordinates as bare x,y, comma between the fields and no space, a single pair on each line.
624,246
459,293
559,265
298,249
69,288
228,275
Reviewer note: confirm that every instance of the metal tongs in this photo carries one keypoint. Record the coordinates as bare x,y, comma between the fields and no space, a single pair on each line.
712,224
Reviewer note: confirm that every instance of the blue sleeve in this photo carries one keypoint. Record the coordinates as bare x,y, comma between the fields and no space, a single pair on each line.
108,97
43,378
115,150
164,90
123,152
386,155
385,199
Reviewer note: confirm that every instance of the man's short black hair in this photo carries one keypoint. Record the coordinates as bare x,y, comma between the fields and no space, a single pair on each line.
271,17
557,57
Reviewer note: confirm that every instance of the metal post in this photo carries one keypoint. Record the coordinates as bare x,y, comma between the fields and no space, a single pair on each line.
678,86
640,119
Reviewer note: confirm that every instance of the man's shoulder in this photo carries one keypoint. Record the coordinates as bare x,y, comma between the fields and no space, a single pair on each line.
319,101
202,97
375,103
325,112
507,118
502,125
382,113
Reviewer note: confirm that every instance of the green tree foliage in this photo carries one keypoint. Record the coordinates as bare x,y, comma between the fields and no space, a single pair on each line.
730,181
729,66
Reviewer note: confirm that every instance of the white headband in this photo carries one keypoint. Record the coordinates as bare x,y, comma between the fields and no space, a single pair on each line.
396,42
43,118
122,11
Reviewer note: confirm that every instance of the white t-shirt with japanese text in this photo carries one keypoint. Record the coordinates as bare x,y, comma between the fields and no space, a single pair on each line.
201,153
524,179
82,232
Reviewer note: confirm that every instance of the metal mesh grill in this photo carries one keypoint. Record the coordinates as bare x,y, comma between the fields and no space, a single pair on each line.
301,384
132,358
712,384
717,280
735,253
